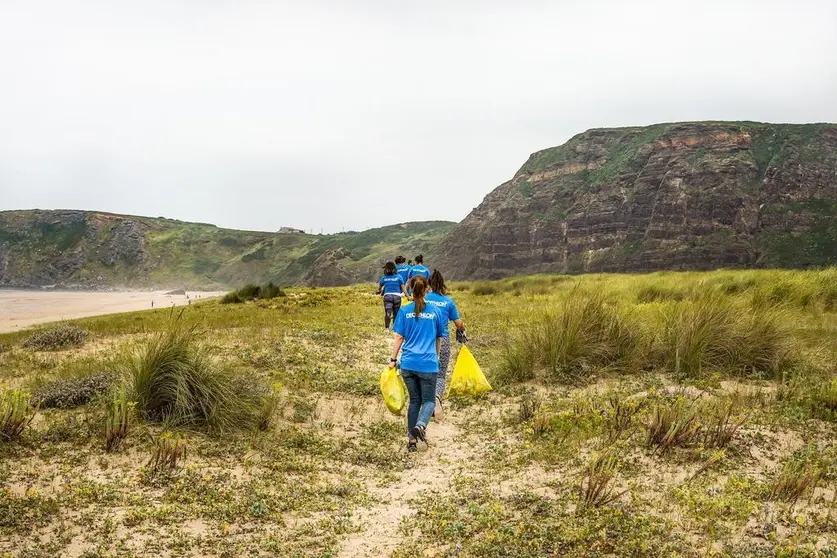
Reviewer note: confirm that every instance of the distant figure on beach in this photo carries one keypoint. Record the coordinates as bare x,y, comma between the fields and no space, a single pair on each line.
152,304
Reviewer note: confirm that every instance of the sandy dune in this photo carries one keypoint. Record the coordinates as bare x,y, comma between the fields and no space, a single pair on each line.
21,309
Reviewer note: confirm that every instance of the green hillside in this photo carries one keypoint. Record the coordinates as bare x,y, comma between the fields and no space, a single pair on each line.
93,250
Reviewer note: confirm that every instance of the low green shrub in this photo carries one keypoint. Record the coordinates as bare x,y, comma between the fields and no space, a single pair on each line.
53,339
66,393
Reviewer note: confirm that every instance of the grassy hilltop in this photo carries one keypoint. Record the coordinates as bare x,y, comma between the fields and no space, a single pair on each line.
92,249
669,414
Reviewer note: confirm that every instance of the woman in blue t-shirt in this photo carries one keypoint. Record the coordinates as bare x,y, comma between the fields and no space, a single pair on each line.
391,286
418,270
438,298
419,328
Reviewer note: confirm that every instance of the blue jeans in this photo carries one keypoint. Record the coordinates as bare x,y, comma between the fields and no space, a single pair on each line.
422,389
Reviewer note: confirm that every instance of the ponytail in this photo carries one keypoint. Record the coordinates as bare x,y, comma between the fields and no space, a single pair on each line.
419,288
437,283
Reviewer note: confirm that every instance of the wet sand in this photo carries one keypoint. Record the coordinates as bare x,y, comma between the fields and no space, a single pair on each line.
21,309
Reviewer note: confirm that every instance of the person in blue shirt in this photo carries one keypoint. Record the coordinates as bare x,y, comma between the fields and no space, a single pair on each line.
418,269
402,268
391,286
440,299
419,328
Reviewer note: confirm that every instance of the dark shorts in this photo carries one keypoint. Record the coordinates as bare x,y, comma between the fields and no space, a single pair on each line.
392,304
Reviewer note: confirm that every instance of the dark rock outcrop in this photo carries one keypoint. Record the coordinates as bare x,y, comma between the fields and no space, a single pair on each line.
669,196
328,271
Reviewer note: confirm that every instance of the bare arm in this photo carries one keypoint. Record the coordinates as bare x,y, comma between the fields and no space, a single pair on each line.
459,324
396,346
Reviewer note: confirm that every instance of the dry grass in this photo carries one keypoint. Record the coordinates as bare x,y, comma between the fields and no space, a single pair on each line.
620,415
797,477
672,423
169,452
722,421
596,486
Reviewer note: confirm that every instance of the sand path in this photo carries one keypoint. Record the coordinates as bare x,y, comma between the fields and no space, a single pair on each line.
434,467
22,309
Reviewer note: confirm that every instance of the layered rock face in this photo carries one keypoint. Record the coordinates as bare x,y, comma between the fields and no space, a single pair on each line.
669,196
42,248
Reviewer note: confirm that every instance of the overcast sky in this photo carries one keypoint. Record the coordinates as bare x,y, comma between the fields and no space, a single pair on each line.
354,114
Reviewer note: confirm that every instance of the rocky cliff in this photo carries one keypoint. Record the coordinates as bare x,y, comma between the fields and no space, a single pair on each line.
82,249
668,196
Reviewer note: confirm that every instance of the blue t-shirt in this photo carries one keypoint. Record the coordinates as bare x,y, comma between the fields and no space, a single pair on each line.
404,271
418,270
418,353
391,284
445,304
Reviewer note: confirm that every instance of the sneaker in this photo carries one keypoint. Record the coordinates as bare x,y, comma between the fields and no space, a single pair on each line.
438,412
412,446
418,433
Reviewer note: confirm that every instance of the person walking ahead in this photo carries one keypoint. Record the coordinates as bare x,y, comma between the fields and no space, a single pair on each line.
402,268
391,286
438,298
419,329
418,270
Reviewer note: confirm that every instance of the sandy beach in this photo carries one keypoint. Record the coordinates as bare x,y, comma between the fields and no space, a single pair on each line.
22,309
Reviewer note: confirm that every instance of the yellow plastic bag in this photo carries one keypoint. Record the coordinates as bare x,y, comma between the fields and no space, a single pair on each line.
393,390
467,378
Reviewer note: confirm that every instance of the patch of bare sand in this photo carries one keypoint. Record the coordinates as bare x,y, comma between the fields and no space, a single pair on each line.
434,467
22,309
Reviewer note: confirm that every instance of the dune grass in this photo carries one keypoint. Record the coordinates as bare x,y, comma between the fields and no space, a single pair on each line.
584,335
174,380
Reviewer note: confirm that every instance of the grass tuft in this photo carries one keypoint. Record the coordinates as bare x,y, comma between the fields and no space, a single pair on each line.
252,292
797,477
620,415
118,419
595,489
15,414
485,289
713,333
170,450
585,336
175,381
672,423
530,404
721,423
